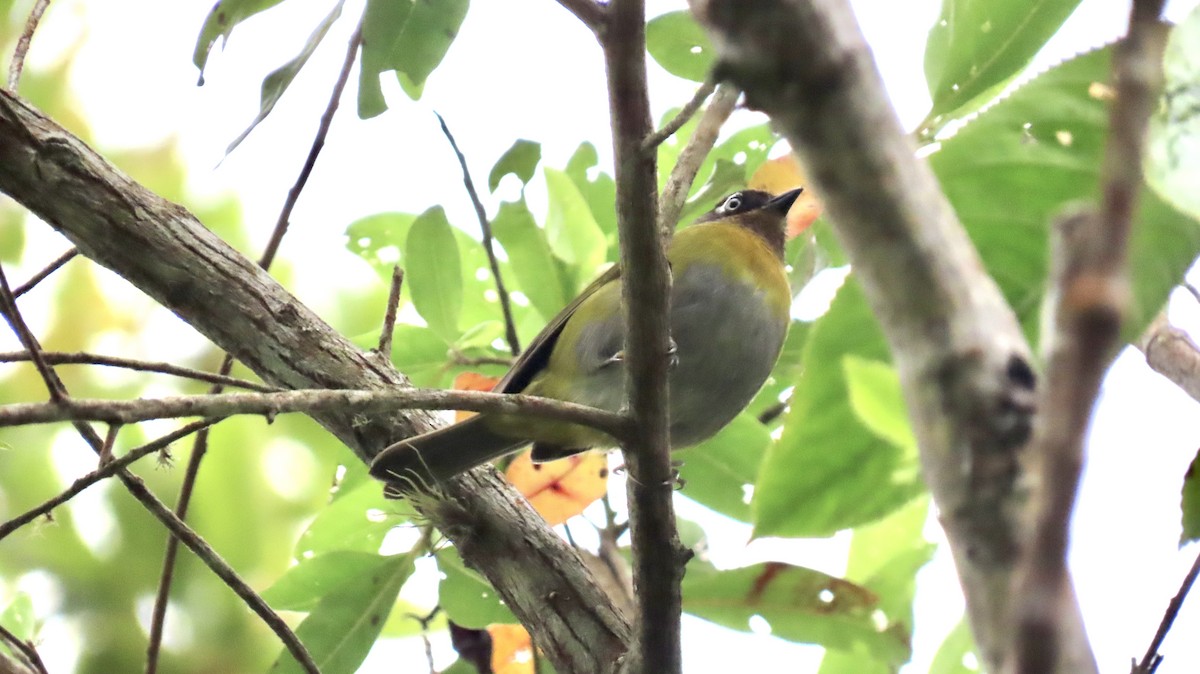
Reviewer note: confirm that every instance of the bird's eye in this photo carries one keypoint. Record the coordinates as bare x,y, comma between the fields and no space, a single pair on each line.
733,203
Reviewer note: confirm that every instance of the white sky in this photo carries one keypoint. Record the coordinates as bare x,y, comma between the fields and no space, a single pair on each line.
527,69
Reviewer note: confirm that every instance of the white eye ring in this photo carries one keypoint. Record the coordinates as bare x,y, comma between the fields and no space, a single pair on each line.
733,203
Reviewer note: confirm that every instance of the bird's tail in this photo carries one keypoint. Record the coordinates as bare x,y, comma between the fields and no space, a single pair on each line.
434,457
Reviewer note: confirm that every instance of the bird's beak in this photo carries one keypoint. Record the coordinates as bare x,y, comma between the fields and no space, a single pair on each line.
782,203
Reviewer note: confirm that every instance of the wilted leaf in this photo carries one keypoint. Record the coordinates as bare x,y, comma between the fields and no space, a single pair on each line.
561,489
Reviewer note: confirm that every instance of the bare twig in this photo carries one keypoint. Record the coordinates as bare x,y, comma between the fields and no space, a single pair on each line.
1090,297
80,358
1152,658
389,316
593,14
18,58
679,183
48,270
309,401
659,557
8,307
24,650
485,227
110,439
685,113
289,204
1172,353
107,470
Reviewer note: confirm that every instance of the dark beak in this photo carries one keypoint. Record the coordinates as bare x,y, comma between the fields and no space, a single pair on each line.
783,202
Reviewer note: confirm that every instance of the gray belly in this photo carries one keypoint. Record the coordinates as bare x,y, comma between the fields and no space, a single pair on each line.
728,341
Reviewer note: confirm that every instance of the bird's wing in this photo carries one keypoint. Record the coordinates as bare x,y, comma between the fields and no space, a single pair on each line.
537,354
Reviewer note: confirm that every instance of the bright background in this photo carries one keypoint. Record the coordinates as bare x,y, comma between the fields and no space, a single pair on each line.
528,69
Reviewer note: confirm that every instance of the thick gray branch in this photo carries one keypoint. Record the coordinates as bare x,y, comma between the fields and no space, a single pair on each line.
161,248
963,362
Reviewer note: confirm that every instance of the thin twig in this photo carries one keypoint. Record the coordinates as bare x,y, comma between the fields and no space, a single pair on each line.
110,439
389,316
1090,285
659,557
83,358
200,447
1152,658
24,649
18,58
701,142
485,226
105,471
48,270
685,113
458,358
309,401
289,204
8,306
1171,352
592,13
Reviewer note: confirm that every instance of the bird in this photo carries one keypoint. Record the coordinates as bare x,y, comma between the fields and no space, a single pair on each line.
730,310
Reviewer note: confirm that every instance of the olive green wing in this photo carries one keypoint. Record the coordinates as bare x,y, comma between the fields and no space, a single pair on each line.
535,356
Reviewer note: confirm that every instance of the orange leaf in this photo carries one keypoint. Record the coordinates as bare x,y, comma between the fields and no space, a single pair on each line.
560,490
472,381
512,649
780,175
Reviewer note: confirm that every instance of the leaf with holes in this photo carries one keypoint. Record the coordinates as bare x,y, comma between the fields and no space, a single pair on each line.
520,160
679,45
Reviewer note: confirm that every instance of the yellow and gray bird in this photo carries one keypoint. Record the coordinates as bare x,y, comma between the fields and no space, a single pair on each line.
730,308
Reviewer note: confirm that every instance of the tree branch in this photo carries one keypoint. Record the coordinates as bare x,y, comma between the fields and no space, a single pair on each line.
1171,352
685,113
309,401
1152,658
485,228
18,59
962,360
679,183
79,358
45,272
162,249
1090,297
591,13
659,557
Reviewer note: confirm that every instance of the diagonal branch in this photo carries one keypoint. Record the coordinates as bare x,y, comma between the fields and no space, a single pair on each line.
1090,291
963,363
162,249
679,183
59,358
485,228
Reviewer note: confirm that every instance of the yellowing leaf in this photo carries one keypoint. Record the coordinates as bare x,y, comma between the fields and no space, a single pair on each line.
472,381
560,490
512,649
780,175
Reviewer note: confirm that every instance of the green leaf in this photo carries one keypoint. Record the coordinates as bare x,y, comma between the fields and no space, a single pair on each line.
978,46
303,586
538,274
281,78
418,352
342,627
719,472
383,21
571,229
18,618
220,22
520,160
424,41
1022,162
829,471
379,239
877,401
1173,165
433,272
1191,503
468,599
952,655
680,46
356,519
12,232
800,604
598,190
